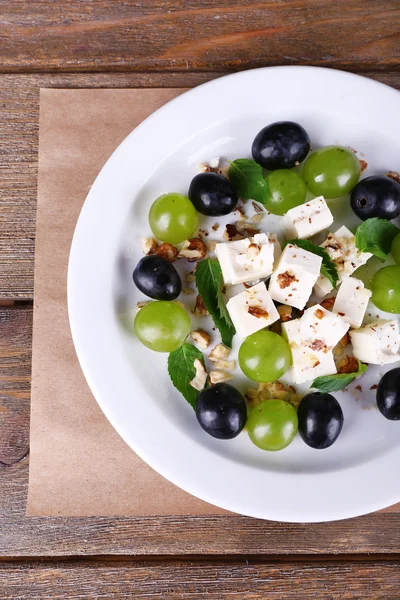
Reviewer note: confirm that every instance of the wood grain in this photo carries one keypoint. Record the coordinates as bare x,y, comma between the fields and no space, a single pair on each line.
19,111
241,579
155,536
71,35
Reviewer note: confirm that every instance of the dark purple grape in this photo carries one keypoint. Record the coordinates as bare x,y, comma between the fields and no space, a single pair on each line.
281,145
212,194
155,277
320,420
388,395
221,411
376,196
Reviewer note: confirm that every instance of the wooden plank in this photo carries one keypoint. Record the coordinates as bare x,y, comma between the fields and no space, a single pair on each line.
156,536
244,580
19,109
202,35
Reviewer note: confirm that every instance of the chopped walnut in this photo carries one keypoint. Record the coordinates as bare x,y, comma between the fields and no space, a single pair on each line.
210,245
393,175
256,218
285,312
215,227
246,227
359,388
199,308
224,171
167,251
256,311
192,250
188,291
345,341
200,379
201,337
328,303
149,245
319,313
223,365
363,165
348,364
219,377
257,208
373,387
219,352
231,233
190,276
319,345
286,279
252,251
275,390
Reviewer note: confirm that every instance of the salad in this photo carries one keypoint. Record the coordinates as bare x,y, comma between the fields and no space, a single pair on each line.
292,303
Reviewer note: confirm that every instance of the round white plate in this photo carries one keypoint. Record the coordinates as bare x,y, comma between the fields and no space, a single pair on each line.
358,474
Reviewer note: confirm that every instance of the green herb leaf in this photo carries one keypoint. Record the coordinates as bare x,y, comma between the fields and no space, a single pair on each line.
182,371
209,283
328,267
334,383
376,236
247,178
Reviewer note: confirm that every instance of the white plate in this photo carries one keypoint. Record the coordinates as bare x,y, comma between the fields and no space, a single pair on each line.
358,474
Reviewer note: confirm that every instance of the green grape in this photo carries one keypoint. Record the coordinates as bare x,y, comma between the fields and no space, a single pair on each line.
172,218
286,189
385,288
396,249
162,326
272,425
264,356
332,171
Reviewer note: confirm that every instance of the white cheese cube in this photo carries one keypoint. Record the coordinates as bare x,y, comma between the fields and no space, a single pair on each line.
341,247
306,366
377,343
307,219
351,301
252,310
246,260
321,330
294,276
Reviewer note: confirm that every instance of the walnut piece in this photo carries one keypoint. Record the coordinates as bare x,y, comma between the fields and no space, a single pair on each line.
393,175
275,390
363,165
199,308
188,291
345,341
286,279
149,246
319,313
190,276
257,208
140,305
348,364
167,251
201,337
228,365
193,250
256,311
219,377
210,245
219,352
200,379
328,303
285,312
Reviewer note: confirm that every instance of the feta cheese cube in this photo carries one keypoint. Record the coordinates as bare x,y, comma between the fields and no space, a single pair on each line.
341,247
307,219
294,276
321,330
248,259
377,343
252,310
306,365
351,301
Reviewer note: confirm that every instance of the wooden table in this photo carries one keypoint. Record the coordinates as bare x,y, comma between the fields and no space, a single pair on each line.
171,43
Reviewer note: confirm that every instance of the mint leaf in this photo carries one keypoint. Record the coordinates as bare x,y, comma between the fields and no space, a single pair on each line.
328,267
182,371
247,178
209,283
376,236
334,383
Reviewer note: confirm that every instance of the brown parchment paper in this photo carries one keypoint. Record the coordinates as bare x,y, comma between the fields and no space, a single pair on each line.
79,466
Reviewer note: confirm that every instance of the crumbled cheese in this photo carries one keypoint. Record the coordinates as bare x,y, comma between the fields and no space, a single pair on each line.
351,301
240,263
252,310
342,249
377,343
307,220
294,276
